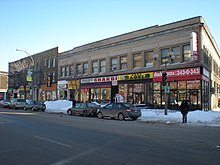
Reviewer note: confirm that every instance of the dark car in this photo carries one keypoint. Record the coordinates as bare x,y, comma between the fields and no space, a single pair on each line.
39,105
4,103
119,111
85,109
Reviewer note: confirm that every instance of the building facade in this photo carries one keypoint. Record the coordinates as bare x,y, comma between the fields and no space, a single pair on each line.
34,77
129,67
3,84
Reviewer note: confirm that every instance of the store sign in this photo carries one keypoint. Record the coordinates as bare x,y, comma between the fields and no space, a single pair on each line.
194,46
99,79
62,84
73,84
136,76
179,74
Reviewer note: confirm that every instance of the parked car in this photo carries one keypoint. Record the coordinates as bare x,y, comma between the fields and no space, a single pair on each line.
39,105
119,111
4,103
17,103
29,105
84,109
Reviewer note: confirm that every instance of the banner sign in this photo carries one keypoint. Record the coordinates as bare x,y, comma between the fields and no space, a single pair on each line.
179,74
99,79
136,76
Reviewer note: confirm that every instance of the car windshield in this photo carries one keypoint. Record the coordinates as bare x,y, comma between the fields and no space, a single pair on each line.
92,105
21,100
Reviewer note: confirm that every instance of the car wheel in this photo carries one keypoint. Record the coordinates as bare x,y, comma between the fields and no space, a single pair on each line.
121,116
100,115
133,118
85,113
69,112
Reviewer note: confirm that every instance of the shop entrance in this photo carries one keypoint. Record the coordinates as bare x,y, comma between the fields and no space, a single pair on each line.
139,98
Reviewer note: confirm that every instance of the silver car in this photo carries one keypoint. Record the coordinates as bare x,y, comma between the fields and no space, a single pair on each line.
17,103
119,111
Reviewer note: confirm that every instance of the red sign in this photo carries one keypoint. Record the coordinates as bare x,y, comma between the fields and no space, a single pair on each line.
179,74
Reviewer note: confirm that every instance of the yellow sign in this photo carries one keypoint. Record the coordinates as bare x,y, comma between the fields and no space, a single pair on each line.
29,78
136,76
73,84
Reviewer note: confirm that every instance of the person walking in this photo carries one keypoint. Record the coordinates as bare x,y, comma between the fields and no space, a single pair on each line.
184,108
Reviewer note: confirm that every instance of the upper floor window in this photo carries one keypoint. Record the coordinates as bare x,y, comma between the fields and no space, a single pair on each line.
63,71
165,55
95,67
49,62
186,53
79,69
149,60
114,64
53,76
123,62
45,63
67,71
137,60
176,54
85,68
54,62
102,66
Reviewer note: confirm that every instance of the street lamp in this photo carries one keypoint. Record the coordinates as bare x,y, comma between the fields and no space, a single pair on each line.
27,54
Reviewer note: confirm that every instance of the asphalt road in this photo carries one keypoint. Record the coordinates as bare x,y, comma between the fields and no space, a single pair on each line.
40,138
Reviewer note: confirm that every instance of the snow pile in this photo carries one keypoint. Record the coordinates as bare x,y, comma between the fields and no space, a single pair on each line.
198,117
58,106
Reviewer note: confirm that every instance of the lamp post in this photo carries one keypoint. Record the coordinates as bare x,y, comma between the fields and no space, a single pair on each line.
29,71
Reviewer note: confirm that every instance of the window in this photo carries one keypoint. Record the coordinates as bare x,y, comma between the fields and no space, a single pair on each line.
67,71
102,66
63,71
149,59
165,55
123,62
114,64
54,62
85,68
53,77
137,60
176,54
186,53
79,69
45,63
49,62
95,67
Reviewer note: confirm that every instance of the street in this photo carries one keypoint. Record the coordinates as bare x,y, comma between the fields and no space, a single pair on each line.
40,138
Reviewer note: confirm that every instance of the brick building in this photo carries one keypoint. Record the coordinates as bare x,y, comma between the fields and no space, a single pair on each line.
130,66
3,84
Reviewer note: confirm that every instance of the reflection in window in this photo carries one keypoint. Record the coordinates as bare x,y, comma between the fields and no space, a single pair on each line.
165,54
176,54
95,67
102,66
114,64
123,62
149,59
85,68
186,53
137,60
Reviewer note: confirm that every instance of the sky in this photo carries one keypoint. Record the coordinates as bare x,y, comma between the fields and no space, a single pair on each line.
39,25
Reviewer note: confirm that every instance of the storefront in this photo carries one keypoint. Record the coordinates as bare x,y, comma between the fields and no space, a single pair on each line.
136,88
73,90
184,84
98,88
62,89
48,93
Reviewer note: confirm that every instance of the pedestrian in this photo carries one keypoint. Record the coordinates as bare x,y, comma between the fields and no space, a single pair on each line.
184,108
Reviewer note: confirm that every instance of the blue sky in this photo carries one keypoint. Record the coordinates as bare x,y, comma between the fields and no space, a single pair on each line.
39,25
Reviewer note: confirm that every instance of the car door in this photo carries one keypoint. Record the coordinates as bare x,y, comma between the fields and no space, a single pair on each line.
107,110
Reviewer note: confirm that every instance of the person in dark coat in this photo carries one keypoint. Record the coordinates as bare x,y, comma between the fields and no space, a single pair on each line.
184,108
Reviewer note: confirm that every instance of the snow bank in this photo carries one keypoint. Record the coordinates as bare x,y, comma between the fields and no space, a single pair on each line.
58,106
198,117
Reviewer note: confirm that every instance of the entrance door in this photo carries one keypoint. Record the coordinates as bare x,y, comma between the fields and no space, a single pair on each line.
138,98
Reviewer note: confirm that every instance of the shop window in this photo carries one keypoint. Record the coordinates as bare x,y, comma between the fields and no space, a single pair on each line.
173,85
186,53
123,62
95,67
193,84
182,85
149,60
176,54
102,66
137,60
79,69
114,64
